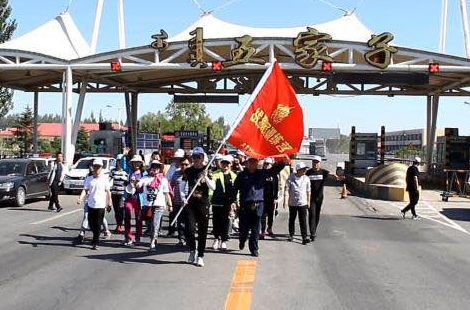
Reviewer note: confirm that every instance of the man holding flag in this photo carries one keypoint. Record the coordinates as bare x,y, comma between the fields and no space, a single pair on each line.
249,187
270,125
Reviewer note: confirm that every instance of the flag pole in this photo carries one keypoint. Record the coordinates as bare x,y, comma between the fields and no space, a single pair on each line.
230,131
252,97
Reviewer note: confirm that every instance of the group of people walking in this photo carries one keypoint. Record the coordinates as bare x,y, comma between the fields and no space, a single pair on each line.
189,189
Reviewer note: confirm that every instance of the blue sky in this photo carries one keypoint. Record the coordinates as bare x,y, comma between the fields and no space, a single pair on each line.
414,23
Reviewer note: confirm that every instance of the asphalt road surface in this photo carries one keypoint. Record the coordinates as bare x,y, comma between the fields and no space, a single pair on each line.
365,257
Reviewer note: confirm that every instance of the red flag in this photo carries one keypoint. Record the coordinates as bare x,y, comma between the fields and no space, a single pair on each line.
273,122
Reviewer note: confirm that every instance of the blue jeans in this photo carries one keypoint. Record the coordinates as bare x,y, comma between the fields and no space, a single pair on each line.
157,217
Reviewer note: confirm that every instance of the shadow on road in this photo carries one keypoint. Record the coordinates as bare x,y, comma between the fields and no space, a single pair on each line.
458,214
47,241
138,255
29,209
378,217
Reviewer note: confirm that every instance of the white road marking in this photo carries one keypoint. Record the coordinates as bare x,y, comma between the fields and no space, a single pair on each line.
431,213
56,217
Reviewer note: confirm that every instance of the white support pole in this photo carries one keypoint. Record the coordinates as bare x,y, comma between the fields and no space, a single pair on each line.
35,122
68,148
463,10
429,143
122,34
96,27
78,113
442,43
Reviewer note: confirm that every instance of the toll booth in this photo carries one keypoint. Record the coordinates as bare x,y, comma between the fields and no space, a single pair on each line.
187,139
106,140
453,154
363,152
147,143
317,147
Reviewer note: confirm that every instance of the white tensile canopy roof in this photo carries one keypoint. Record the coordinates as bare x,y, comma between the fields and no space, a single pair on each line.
58,38
346,28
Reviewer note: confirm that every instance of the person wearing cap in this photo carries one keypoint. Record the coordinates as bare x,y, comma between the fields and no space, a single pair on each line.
271,193
132,203
317,176
248,197
412,187
119,179
99,198
178,202
216,162
83,198
221,203
297,189
197,180
156,195
175,163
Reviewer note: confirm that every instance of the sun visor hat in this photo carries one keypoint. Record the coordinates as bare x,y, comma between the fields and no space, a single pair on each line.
301,165
316,158
198,151
97,162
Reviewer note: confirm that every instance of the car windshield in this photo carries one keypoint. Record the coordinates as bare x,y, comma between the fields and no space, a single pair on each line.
85,164
11,168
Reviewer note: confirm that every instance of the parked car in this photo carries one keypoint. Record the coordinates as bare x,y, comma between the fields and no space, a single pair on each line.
22,179
75,178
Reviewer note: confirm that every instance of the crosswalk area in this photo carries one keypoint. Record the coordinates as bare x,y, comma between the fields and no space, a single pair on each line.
428,211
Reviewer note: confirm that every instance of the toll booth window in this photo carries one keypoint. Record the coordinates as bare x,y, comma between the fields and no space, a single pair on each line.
367,150
168,144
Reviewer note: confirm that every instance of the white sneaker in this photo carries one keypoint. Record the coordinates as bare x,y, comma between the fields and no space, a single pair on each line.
215,245
192,257
200,262
416,218
223,246
107,235
129,243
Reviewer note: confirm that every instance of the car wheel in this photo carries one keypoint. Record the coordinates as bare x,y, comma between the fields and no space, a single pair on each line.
20,198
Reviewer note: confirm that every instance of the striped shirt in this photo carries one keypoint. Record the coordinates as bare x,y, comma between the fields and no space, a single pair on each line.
119,178
175,183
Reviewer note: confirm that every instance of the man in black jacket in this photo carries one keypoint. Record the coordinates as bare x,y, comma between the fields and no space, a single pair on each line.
55,180
249,184
271,193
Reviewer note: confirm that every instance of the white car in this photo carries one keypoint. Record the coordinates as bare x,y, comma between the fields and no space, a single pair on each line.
75,178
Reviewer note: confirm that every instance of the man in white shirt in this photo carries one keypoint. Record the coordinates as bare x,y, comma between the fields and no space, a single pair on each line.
98,192
297,188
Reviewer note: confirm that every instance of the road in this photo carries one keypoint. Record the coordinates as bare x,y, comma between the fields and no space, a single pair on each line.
365,257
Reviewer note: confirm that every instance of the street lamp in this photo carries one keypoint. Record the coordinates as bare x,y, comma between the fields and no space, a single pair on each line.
119,113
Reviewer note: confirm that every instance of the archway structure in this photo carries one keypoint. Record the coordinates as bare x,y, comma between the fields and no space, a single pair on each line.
212,57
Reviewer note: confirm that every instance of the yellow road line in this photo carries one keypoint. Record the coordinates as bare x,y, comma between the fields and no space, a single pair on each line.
241,290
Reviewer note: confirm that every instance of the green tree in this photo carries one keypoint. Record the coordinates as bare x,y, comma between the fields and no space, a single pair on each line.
188,116
56,144
91,119
24,131
83,141
154,123
7,26
45,146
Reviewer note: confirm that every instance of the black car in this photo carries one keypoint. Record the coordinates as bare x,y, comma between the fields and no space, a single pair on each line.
22,179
